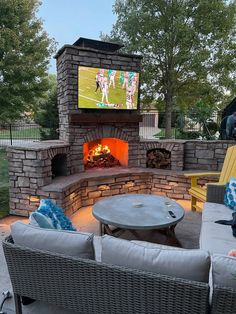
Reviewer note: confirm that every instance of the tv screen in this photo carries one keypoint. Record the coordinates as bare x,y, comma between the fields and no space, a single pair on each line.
107,89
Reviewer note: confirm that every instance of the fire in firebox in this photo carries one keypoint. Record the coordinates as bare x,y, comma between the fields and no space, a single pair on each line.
100,156
99,150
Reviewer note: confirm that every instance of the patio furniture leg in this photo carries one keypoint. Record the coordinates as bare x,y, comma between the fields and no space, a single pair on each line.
101,228
107,230
18,305
172,228
26,300
193,203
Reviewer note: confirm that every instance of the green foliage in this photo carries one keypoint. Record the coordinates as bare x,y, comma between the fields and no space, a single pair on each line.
46,114
4,193
201,113
188,49
211,127
25,49
3,168
188,135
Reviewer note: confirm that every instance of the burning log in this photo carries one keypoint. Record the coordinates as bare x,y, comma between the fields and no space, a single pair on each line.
103,161
101,157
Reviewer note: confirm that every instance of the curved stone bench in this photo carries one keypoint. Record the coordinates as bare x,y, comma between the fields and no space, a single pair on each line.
79,190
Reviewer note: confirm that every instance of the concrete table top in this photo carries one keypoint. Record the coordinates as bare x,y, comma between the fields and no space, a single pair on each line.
138,211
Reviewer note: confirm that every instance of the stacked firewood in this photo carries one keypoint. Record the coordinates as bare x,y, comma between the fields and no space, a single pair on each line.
102,161
157,158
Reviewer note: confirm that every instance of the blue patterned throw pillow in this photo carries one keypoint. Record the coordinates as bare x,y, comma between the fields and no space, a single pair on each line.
55,214
38,220
230,194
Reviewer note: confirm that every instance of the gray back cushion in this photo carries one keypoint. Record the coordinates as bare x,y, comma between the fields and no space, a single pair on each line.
71,243
156,245
187,264
224,270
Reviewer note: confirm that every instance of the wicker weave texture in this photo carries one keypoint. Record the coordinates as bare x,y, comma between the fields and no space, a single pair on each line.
89,287
223,301
215,193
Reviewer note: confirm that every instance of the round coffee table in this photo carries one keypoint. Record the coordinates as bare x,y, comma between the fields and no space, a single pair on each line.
137,212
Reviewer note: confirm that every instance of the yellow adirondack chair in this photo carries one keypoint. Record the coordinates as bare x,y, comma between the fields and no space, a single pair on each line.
199,193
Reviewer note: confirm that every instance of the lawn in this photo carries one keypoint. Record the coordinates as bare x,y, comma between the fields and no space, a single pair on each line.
4,194
162,132
90,98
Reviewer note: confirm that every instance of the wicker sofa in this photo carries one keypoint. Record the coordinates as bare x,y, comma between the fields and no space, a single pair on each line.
90,287
87,286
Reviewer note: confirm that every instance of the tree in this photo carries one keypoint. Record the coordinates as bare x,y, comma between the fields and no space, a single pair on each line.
188,48
201,114
24,56
46,112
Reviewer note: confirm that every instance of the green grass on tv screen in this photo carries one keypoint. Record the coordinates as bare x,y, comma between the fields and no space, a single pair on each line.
107,89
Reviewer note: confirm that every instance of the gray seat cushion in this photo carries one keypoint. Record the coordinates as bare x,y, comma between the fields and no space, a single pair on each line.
187,264
214,211
71,243
216,238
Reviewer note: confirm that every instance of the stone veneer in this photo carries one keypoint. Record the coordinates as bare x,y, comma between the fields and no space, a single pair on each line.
31,177
205,155
69,58
85,189
175,147
87,133
29,169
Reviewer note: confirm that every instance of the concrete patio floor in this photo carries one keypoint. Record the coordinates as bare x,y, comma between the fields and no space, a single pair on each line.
187,233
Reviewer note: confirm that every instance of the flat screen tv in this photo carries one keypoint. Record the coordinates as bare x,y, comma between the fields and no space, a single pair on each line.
107,89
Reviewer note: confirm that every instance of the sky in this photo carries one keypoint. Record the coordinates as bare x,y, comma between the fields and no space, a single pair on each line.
67,20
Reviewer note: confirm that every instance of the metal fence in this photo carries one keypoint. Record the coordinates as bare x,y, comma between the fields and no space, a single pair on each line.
182,127
152,127
18,133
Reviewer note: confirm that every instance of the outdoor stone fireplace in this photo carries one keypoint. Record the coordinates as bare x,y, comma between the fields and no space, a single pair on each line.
99,152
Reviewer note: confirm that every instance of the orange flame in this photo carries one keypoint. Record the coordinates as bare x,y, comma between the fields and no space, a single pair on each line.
100,149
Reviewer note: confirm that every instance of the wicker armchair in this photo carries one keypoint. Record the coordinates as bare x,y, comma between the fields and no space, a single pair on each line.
90,287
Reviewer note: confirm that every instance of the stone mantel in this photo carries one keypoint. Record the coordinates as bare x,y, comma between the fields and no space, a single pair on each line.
105,117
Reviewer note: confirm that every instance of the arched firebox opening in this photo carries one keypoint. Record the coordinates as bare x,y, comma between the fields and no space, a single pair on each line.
105,153
59,165
159,158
